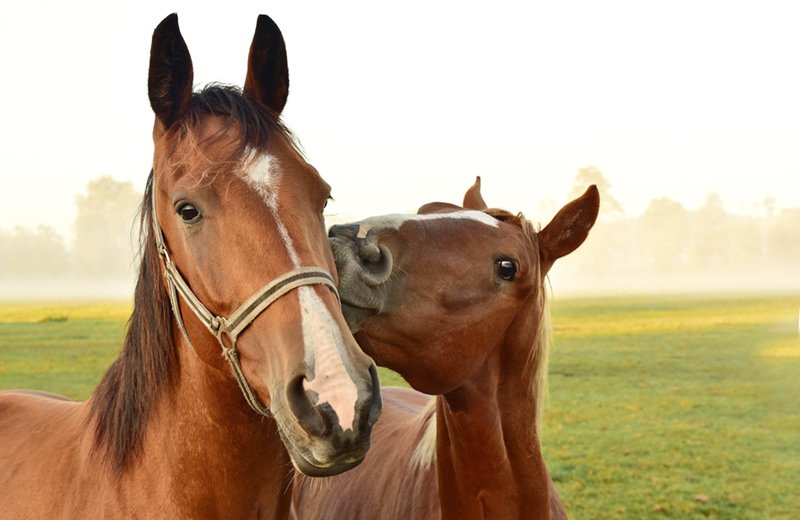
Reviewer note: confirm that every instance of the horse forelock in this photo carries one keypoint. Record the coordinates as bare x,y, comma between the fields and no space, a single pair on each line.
255,128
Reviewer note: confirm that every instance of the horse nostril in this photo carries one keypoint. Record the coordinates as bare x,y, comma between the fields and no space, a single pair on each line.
303,409
376,260
371,253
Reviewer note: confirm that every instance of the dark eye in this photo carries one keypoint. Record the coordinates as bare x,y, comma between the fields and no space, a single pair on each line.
189,213
506,269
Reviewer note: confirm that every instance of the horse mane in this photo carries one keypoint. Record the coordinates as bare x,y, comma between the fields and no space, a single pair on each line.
425,452
126,397
123,402
538,359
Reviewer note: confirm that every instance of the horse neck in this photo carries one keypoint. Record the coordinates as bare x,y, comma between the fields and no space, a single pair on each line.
489,459
220,458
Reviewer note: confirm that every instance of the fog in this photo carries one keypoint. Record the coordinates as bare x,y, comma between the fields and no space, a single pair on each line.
668,248
693,104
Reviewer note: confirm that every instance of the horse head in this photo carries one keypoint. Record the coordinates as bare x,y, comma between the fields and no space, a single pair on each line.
452,279
240,214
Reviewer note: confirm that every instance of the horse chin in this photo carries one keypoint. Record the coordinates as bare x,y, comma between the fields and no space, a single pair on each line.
310,470
304,461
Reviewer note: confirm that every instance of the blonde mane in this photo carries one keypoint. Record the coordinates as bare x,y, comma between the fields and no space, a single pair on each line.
425,453
540,350
538,360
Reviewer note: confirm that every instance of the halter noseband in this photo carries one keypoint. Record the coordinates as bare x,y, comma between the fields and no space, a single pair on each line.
241,317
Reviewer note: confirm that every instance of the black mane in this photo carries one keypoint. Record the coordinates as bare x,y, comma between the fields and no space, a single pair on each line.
122,403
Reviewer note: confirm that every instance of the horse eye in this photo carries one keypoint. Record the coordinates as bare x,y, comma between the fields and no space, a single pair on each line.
506,269
189,213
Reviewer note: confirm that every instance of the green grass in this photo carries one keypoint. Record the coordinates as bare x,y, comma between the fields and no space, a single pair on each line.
660,403
661,407
65,347
65,357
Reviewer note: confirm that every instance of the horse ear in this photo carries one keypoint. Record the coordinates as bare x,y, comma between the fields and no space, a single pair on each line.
473,198
267,71
569,228
169,82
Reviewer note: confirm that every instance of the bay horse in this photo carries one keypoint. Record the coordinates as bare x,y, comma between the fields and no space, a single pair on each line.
454,300
237,362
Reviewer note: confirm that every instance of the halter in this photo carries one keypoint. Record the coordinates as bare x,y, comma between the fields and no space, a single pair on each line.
241,317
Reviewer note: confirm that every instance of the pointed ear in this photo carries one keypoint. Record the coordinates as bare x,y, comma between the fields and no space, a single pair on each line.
473,198
569,228
267,71
170,79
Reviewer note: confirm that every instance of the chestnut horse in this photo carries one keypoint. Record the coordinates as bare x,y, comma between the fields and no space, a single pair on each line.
237,361
454,300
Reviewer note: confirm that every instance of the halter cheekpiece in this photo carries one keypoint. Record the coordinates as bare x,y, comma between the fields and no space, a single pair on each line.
242,317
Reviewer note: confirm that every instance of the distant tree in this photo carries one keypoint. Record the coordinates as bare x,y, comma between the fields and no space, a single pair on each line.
709,246
607,248
6,253
27,253
782,241
769,205
103,243
664,234
592,175
746,249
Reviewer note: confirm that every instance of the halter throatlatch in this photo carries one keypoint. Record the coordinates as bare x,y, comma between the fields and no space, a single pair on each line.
241,317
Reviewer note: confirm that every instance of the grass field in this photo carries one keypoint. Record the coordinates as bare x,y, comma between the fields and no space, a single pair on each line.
661,407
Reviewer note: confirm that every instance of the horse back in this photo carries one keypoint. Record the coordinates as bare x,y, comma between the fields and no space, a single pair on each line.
40,438
39,393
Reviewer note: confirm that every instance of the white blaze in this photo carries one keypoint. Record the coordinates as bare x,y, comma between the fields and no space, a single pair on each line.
398,219
331,382
264,175
324,345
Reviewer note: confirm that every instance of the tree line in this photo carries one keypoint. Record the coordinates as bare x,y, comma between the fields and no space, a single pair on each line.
102,247
666,240
669,240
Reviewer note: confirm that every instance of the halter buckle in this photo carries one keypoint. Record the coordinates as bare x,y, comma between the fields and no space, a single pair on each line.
215,325
219,328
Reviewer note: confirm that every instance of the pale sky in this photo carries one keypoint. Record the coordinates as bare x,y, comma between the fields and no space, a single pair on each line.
404,103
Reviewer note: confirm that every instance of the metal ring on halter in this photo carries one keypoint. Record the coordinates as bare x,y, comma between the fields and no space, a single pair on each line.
242,317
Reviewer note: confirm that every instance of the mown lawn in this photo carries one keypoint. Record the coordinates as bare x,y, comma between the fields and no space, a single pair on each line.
661,407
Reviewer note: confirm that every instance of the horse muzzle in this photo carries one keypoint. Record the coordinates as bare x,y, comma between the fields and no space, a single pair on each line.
365,267
317,442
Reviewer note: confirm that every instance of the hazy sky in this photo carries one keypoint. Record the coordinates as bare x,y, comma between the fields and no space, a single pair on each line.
403,103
